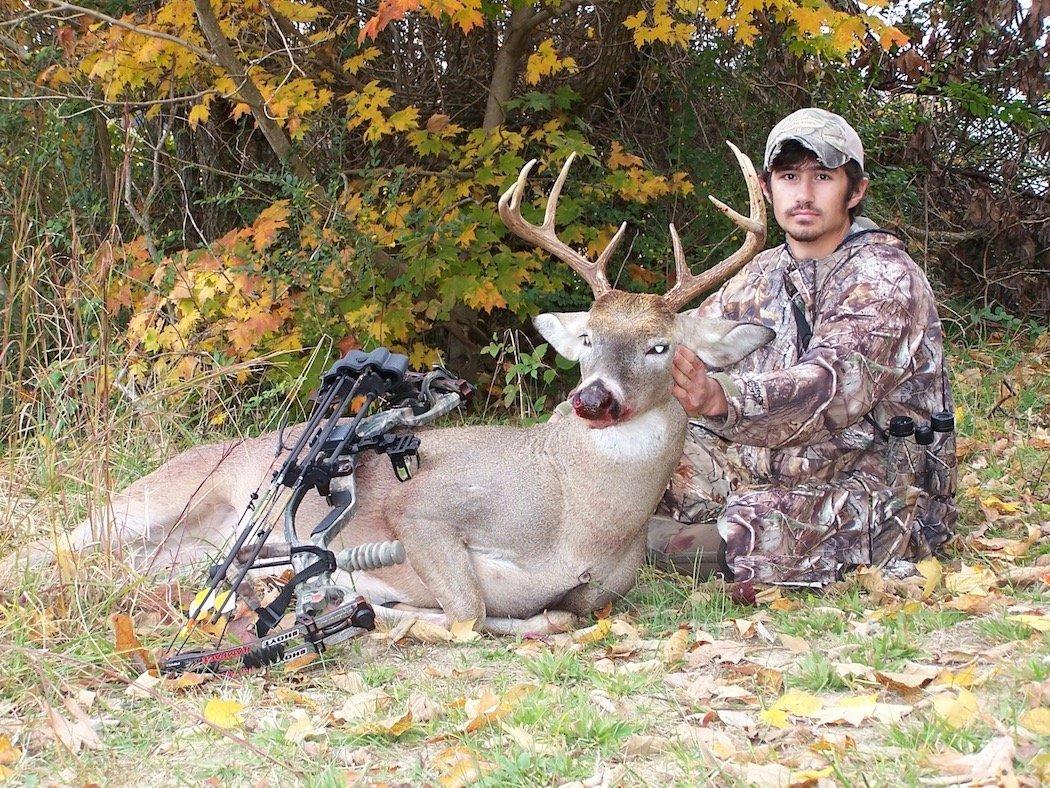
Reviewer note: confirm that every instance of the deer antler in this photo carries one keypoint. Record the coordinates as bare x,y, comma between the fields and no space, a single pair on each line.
687,285
547,239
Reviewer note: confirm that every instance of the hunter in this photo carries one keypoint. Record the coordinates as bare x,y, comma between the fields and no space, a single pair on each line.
784,476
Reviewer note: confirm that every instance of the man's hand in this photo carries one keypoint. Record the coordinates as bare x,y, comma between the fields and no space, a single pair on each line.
699,394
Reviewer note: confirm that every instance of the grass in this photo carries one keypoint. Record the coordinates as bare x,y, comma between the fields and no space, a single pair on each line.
56,644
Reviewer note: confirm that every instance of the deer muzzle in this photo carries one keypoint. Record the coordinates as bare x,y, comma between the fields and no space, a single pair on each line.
595,403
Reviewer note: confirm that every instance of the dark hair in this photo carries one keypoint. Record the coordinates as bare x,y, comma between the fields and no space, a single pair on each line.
793,153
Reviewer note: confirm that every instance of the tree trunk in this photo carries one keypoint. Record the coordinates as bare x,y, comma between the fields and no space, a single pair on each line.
248,92
507,66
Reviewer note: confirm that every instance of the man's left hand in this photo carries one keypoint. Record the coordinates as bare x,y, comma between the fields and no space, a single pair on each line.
699,394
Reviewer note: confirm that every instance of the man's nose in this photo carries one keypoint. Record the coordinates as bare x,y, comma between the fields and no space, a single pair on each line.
804,194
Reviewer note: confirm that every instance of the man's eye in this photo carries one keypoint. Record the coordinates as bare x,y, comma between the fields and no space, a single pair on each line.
586,340
657,350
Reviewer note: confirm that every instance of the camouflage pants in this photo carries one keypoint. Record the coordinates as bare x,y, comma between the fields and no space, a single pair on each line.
805,534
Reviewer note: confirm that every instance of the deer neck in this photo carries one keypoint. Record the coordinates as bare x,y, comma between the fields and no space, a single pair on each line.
649,439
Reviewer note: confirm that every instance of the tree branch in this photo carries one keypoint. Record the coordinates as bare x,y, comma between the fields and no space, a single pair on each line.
203,53
248,92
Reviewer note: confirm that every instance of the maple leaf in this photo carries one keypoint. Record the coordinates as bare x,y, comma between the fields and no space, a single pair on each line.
545,62
268,222
485,297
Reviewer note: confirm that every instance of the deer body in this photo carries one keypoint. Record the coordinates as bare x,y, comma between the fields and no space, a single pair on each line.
517,529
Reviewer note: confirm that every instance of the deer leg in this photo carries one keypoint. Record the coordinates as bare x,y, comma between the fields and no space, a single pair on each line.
549,622
597,593
439,557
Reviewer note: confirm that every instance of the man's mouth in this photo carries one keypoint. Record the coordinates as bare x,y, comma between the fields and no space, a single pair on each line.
804,214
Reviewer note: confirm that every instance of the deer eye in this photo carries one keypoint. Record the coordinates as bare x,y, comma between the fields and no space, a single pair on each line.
586,340
657,350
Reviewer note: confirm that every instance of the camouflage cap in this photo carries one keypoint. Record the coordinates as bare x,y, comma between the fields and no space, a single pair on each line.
826,134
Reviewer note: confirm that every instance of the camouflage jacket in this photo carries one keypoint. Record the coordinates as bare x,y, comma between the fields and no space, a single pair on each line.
876,348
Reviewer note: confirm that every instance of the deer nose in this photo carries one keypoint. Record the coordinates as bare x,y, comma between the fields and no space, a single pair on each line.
595,401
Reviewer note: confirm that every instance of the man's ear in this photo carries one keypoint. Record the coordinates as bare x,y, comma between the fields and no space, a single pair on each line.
563,331
858,195
721,343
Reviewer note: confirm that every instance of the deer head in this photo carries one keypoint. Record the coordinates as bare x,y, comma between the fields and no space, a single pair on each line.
625,341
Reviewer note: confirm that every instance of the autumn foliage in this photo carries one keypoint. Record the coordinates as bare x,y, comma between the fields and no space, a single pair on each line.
255,178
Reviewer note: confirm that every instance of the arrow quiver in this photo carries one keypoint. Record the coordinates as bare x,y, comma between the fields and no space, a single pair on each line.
366,403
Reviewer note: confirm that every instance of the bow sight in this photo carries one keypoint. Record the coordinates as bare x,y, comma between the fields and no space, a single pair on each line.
367,402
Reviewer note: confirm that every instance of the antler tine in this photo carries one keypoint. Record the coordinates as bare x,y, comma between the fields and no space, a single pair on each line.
545,237
687,285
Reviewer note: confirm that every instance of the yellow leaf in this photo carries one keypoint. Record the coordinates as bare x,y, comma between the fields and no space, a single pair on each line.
793,702
1038,623
545,62
969,580
956,711
223,713
485,296
1037,720
464,632
930,569
303,727
392,726
1002,507
593,634
8,753
458,767
198,114
489,707
673,649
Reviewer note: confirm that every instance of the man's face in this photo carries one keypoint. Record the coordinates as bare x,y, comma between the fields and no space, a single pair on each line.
810,201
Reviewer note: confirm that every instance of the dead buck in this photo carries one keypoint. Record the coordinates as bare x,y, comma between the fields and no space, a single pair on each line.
519,529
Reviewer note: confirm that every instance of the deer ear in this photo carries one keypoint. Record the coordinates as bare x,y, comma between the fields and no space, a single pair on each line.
563,330
721,343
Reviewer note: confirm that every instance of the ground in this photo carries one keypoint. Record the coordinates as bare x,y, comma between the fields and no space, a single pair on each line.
940,679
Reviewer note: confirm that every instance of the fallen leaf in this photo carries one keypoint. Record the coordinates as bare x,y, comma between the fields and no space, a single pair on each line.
464,632
348,682
143,686
75,735
849,710
958,710
1036,720
286,695
594,633
974,604
391,726
303,727
127,643
489,707
992,765
9,754
792,643
458,766
223,712
673,649
970,580
793,702
965,677
1010,547
931,571
423,708
911,678
362,705
1038,623
187,679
